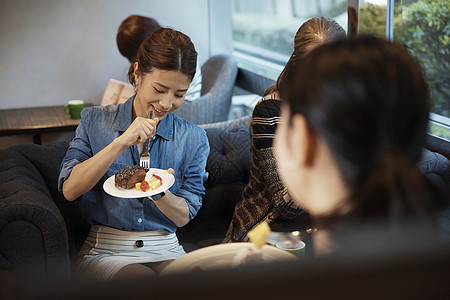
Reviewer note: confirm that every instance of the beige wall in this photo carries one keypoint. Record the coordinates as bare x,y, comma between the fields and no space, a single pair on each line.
52,51
55,50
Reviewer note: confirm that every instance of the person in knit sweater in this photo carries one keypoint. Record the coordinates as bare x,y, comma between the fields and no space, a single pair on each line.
265,198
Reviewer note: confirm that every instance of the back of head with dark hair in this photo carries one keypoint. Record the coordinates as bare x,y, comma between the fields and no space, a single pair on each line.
368,100
312,33
133,30
166,49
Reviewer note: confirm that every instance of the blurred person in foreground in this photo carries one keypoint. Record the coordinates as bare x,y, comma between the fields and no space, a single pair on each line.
354,120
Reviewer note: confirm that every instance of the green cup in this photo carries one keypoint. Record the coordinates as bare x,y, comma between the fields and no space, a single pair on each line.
297,248
74,108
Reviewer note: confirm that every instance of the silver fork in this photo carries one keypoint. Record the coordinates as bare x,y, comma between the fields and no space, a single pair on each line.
145,156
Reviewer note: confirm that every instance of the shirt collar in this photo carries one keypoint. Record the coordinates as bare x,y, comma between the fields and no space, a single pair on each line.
165,127
125,114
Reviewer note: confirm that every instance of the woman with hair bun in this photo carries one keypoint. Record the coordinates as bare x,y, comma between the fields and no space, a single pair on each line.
132,31
265,198
136,237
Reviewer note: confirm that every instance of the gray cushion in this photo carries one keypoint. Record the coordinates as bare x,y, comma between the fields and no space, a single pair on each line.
229,158
435,167
218,78
228,167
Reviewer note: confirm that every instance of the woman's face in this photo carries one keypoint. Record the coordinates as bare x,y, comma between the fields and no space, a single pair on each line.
160,90
307,167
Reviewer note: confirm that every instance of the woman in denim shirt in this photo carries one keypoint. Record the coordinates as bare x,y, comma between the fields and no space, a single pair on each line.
131,237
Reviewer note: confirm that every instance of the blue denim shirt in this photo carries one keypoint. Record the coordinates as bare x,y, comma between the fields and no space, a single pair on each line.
178,144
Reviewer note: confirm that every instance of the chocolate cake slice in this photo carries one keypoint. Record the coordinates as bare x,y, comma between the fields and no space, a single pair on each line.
129,176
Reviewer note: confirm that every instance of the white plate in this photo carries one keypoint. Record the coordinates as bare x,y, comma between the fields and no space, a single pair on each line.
167,181
222,256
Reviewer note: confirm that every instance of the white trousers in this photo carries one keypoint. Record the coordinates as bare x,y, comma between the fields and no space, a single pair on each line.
107,250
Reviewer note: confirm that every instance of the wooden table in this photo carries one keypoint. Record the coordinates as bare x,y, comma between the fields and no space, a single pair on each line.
35,120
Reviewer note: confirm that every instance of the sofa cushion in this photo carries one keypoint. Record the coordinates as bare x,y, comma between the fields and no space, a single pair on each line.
210,224
229,158
435,167
228,166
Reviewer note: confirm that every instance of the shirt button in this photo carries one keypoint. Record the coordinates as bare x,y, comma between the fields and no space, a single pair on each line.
140,220
139,243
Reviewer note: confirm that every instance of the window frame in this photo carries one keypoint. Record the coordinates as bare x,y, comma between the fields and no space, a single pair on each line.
269,65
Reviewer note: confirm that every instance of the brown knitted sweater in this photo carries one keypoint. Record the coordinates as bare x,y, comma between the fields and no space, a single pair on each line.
265,198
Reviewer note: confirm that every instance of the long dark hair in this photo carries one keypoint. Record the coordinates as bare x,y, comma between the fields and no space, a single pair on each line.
367,98
165,49
133,30
312,33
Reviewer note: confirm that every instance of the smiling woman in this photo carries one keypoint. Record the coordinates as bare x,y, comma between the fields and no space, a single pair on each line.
159,90
110,138
162,73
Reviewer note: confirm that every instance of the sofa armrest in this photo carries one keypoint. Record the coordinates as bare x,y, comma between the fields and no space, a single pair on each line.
33,237
436,167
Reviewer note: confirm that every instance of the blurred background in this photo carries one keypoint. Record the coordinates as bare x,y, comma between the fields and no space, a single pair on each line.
52,51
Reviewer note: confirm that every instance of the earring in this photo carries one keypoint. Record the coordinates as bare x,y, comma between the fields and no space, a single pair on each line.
293,164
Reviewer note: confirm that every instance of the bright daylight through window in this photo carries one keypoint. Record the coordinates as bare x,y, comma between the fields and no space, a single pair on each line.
264,30
423,26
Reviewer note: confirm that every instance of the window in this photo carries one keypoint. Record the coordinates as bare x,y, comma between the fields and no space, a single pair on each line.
423,26
264,30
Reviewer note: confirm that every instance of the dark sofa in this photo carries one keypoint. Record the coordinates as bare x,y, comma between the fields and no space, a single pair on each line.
41,232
